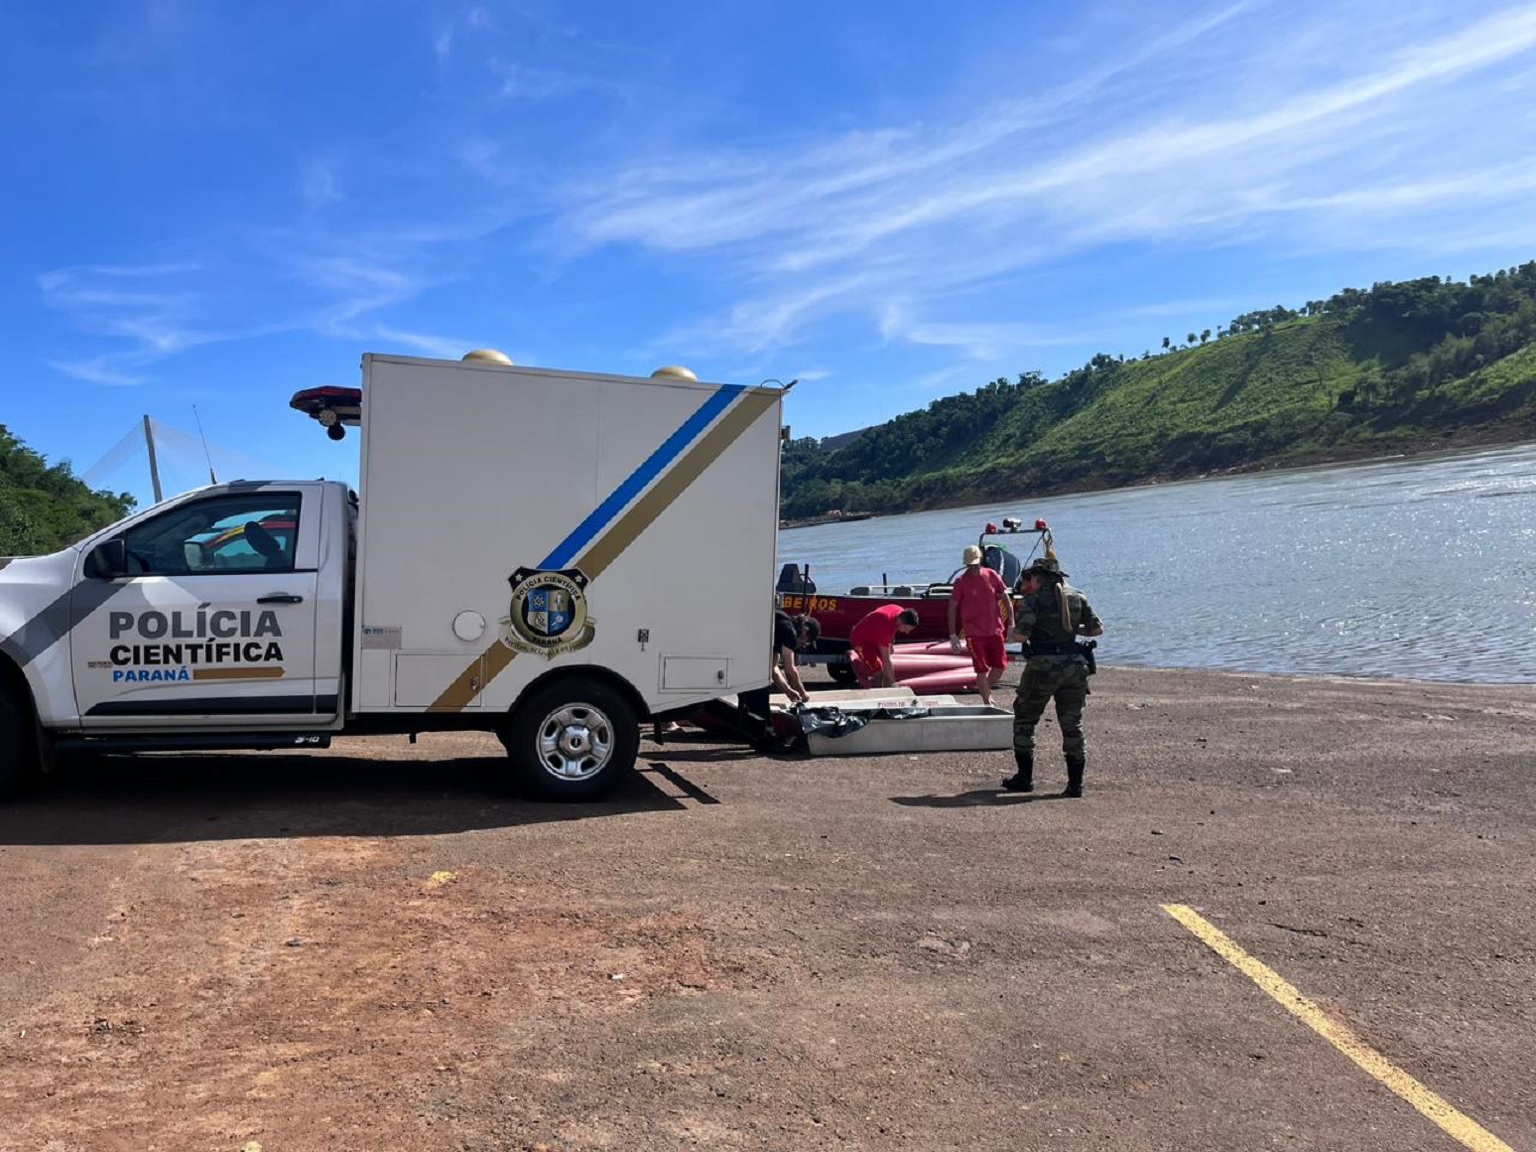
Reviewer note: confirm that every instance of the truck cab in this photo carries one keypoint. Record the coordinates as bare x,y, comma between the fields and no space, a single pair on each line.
219,611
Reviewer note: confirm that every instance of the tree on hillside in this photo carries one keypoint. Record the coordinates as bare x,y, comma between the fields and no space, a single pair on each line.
43,508
1190,339
1166,342
1204,336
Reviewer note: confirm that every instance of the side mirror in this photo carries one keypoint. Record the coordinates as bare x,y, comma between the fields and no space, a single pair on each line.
108,560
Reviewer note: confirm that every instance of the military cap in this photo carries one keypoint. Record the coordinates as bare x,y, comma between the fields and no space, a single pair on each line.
1046,565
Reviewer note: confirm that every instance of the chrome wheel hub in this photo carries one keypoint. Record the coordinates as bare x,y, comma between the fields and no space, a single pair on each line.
575,742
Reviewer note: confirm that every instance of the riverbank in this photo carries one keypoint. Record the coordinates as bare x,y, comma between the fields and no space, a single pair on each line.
829,518
1461,440
377,946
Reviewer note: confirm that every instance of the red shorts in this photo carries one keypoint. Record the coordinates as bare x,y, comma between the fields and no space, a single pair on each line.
872,661
987,652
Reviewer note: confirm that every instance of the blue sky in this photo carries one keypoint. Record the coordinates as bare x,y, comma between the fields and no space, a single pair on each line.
214,205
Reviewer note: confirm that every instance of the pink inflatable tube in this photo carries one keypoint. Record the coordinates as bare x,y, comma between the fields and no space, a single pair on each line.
932,647
935,683
928,672
915,663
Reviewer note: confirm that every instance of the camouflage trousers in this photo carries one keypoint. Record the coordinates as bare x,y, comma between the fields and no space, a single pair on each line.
1045,679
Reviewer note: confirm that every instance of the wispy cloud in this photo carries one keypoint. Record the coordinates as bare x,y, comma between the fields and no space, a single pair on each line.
442,347
375,276
760,324
356,286
1191,307
319,185
985,341
941,380
147,306
1270,140
63,279
1354,125
528,82
112,369
150,313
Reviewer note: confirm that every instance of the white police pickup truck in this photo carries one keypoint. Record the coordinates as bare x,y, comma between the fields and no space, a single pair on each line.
518,560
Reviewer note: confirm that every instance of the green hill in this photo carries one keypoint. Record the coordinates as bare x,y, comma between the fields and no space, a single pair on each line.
44,508
1400,368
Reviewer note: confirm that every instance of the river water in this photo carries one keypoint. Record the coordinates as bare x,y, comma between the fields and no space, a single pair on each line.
1419,568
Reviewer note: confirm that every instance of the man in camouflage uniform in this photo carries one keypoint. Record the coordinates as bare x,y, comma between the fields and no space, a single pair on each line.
1050,617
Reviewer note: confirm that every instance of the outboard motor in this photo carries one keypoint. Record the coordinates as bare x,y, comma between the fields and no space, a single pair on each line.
791,579
1003,562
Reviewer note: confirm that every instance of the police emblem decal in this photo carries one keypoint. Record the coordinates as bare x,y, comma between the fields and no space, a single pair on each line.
549,612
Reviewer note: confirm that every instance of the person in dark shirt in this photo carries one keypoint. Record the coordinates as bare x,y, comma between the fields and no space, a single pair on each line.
791,634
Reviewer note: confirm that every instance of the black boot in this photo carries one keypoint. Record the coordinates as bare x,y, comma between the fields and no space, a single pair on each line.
1024,779
1074,776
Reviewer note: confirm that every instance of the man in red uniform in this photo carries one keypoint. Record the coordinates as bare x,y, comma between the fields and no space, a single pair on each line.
873,637
980,599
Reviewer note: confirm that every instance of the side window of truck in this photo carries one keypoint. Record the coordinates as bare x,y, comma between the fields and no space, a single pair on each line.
231,533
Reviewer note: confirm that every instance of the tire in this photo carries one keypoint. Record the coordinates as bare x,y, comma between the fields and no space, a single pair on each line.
572,740
18,755
842,672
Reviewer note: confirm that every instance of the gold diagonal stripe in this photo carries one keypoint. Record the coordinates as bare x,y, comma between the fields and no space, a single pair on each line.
643,513
258,673
625,531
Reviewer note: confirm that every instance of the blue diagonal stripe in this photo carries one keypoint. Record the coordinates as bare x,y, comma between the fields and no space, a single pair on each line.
637,481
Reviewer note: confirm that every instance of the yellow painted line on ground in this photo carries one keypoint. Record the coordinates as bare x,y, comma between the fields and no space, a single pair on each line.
1437,1108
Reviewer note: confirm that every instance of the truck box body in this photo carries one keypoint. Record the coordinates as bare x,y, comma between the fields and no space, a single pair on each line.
660,493
552,556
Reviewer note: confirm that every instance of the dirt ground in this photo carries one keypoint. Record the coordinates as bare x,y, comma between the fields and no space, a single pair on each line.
380,948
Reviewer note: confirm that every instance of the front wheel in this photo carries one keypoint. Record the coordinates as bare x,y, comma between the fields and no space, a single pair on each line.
18,755
572,739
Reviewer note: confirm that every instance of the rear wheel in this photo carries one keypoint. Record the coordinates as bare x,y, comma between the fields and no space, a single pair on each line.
572,739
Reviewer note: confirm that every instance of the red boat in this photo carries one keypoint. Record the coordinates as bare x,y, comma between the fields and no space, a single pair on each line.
839,612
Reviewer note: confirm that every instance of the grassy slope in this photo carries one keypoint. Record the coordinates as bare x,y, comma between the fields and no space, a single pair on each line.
1506,388
1227,400
1245,401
